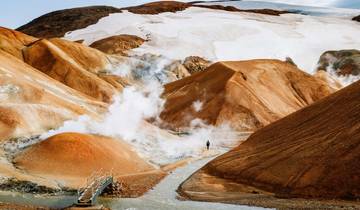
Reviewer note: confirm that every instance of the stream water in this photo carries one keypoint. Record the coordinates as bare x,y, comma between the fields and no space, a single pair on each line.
162,197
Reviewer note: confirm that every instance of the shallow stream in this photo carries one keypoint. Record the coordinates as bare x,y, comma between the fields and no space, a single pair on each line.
162,197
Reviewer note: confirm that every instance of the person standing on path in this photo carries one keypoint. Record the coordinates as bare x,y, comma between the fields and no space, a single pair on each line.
208,144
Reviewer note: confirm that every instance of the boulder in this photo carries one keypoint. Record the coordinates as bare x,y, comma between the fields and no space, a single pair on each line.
342,62
195,64
118,44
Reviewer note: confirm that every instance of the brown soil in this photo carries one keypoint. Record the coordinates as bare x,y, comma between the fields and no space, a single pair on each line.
57,23
134,185
215,189
9,206
34,97
13,42
174,6
78,66
234,9
154,8
312,153
246,94
70,158
73,64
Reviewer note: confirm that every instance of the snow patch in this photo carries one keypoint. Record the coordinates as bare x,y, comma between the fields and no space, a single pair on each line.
221,35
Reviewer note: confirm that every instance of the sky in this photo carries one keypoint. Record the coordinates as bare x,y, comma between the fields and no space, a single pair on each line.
14,13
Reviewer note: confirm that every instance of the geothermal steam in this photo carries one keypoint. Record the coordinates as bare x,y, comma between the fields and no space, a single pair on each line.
126,119
345,80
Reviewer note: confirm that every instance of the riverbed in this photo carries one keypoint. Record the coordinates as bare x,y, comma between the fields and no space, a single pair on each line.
162,197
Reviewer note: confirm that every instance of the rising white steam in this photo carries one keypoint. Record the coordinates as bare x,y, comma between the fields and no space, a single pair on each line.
345,80
126,120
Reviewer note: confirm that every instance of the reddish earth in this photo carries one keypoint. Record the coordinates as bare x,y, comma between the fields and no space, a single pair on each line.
70,158
312,153
13,42
73,64
78,66
64,80
174,6
30,96
9,206
246,94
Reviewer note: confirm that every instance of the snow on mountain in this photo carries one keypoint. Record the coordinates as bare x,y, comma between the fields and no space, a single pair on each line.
316,8
221,35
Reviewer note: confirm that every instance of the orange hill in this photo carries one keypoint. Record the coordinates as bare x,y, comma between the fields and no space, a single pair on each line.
246,94
70,158
13,42
80,67
312,153
72,64
30,96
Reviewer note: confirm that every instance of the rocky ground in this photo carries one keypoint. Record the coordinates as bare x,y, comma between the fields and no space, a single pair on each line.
9,206
343,63
215,189
56,24
142,90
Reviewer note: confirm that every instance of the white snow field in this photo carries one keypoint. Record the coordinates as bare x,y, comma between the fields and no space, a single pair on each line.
222,35
317,3
215,35
314,8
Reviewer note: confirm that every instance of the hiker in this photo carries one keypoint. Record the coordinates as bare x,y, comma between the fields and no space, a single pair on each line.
207,144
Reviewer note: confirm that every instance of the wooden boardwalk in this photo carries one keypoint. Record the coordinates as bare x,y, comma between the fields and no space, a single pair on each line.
93,188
